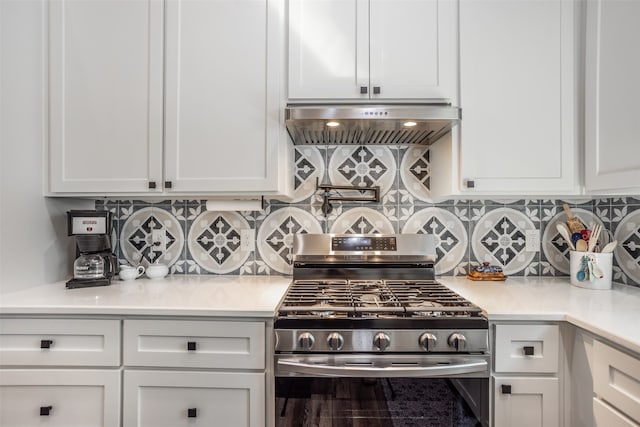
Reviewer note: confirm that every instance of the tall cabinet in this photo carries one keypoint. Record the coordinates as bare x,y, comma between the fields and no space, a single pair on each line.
519,74
612,132
172,98
346,50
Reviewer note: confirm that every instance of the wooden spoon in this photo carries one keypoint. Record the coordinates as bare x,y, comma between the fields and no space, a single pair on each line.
609,247
581,246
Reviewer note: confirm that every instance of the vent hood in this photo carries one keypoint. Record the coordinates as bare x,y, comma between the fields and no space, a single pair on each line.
369,124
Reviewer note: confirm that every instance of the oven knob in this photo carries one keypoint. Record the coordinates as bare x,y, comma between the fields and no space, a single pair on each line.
381,341
457,341
428,341
335,341
306,341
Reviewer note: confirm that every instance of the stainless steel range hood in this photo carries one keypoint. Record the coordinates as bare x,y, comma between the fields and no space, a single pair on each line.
369,124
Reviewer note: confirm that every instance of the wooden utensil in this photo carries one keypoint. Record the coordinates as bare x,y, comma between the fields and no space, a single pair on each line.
581,246
564,232
573,222
595,235
609,247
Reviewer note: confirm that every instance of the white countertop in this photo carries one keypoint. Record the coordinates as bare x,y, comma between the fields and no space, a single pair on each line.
197,295
612,314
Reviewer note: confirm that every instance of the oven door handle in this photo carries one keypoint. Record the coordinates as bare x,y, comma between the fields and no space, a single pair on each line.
298,366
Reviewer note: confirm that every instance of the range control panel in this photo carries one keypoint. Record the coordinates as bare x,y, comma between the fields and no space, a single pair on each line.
367,243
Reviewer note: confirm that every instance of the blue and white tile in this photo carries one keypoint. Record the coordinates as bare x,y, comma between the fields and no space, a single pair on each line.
136,241
627,252
362,221
275,236
449,233
499,238
215,241
415,172
364,166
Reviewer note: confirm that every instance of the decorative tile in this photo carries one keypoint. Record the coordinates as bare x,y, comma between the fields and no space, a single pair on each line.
555,249
309,167
499,238
136,240
362,221
627,253
214,241
275,236
415,172
449,233
363,166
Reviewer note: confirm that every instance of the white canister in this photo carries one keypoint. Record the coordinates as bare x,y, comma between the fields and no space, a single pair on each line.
601,262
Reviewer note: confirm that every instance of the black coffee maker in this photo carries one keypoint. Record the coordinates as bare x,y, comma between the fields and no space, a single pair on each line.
95,263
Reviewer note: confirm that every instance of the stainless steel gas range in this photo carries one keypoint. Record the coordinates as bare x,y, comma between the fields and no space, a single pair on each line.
365,311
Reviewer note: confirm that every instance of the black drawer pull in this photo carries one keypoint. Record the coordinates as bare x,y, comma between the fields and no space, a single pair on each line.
363,90
45,410
506,389
191,345
376,90
192,412
168,184
152,185
528,350
46,343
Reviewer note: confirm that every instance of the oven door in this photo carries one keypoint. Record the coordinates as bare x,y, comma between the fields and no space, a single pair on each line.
382,390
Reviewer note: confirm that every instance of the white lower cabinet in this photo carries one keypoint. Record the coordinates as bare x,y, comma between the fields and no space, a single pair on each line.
194,373
179,398
526,375
59,397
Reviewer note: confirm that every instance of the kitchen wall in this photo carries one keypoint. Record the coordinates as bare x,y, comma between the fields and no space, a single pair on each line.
467,232
34,247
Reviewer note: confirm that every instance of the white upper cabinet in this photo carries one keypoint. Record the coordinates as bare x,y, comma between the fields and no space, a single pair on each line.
368,50
518,93
612,118
221,85
223,131
105,82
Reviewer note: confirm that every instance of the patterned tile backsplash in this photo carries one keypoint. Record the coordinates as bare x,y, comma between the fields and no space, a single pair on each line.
468,232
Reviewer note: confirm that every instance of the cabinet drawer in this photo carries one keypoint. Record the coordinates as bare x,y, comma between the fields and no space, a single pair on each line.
616,379
526,402
527,348
63,397
59,342
194,344
173,399
606,416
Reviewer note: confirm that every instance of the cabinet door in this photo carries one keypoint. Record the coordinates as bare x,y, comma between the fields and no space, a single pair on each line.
526,402
606,416
223,130
328,49
60,398
105,83
413,49
612,93
173,399
517,93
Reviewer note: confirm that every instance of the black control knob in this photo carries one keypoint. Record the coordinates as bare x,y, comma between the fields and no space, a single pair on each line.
381,341
457,341
335,341
306,341
428,341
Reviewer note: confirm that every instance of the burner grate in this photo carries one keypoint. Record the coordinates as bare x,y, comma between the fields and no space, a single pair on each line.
374,298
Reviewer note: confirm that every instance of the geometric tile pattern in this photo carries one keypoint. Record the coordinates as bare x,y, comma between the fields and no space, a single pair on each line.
627,252
415,172
363,166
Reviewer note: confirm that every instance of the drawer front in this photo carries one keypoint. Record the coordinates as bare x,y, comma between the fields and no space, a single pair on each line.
616,379
527,348
59,342
194,344
526,402
173,399
61,398
606,416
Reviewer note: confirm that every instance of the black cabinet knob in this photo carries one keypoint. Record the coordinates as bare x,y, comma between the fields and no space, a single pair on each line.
471,184
152,185
192,412
506,389
45,410
364,90
528,350
168,184
191,345
46,343
376,90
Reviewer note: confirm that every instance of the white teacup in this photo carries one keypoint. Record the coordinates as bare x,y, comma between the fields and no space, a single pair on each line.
130,273
156,271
